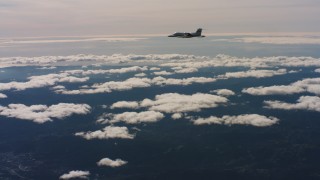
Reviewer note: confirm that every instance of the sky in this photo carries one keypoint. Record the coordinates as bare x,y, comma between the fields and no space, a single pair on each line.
25,18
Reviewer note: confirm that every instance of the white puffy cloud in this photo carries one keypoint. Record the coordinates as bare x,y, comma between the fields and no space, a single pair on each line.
310,103
108,132
46,68
276,40
125,104
317,70
3,95
76,174
273,90
177,116
43,113
311,85
155,69
224,92
140,75
162,73
254,73
137,117
245,119
42,81
111,163
58,87
177,103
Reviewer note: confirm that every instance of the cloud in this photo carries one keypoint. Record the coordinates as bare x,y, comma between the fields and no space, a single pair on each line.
43,113
41,81
82,59
111,163
276,40
108,71
76,174
222,60
254,73
3,96
155,69
311,85
131,83
185,81
140,75
125,104
177,116
177,103
58,87
317,70
135,118
162,73
46,68
273,90
111,86
224,92
245,119
167,103
187,63
108,132
310,103
186,70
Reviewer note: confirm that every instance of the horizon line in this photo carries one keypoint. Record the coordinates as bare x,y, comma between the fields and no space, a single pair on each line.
162,34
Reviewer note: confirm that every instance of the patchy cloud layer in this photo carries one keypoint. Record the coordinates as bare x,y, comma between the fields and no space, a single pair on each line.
111,163
246,119
181,63
108,132
41,81
43,113
311,85
310,103
257,62
81,59
108,71
131,83
76,174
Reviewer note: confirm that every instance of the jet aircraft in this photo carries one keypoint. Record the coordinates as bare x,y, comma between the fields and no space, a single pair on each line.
187,34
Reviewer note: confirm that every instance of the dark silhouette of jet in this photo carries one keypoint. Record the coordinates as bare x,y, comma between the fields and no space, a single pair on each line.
187,34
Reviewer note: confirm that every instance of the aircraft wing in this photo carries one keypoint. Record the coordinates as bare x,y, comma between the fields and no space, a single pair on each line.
187,35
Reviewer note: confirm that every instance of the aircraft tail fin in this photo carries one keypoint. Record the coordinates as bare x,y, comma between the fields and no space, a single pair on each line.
198,32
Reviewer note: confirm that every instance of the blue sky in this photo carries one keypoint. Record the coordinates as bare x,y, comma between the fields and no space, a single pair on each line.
100,17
